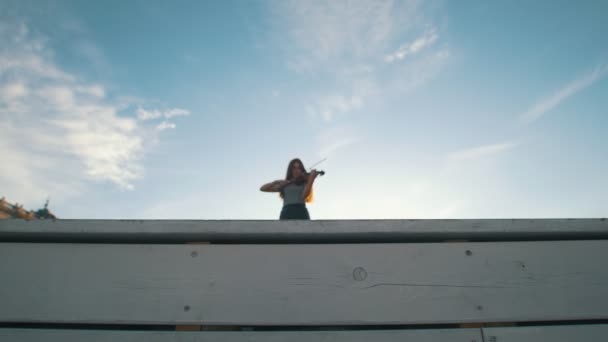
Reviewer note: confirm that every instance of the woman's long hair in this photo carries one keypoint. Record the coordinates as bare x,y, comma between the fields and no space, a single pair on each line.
289,175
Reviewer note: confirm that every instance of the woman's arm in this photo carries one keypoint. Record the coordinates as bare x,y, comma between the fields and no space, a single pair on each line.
309,182
275,186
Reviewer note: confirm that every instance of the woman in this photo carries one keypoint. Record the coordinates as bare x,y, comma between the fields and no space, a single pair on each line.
295,190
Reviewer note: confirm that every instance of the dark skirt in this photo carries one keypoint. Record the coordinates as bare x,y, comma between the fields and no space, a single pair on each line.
294,212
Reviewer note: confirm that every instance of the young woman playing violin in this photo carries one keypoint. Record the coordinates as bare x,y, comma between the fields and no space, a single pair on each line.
295,190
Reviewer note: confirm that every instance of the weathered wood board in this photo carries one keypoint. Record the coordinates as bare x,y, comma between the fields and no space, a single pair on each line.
309,284
255,231
563,333
48,335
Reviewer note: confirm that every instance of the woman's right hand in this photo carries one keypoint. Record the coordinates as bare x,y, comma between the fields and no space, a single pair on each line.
275,186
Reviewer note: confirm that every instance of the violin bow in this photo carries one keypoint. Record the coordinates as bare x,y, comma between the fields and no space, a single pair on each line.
317,163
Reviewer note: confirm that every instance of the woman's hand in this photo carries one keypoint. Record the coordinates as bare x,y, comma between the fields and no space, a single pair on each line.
275,186
308,187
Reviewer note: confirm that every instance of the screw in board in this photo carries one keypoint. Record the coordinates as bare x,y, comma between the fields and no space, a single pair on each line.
359,273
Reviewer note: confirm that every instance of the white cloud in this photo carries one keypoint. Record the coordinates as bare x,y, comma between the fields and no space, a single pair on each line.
58,132
92,90
323,32
329,106
417,73
58,97
409,49
548,103
175,112
165,125
144,114
343,45
30,177
481,151
13,91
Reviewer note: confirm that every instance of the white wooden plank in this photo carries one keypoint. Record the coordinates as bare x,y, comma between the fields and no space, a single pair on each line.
48,335
301,231
304,284
560,333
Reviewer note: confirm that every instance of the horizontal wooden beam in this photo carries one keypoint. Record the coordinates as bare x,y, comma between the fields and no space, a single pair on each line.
48,335
324,231
564,333
557,333
304,284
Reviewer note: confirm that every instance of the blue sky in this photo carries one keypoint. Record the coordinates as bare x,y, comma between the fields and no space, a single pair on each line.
423,109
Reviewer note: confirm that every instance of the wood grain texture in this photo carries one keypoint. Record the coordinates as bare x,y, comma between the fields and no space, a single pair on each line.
309,284
565,333
256,231
438,335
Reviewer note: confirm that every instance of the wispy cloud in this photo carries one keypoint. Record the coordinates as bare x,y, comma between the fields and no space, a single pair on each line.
176,112
323,32
419,72
338,103
345,46
165,125
481,151
59,131
328,106
409,49
546,104
344,49
143,114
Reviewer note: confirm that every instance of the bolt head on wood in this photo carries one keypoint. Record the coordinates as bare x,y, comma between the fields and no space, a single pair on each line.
359,273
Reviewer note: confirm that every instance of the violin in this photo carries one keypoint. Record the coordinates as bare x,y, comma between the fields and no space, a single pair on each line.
303,178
